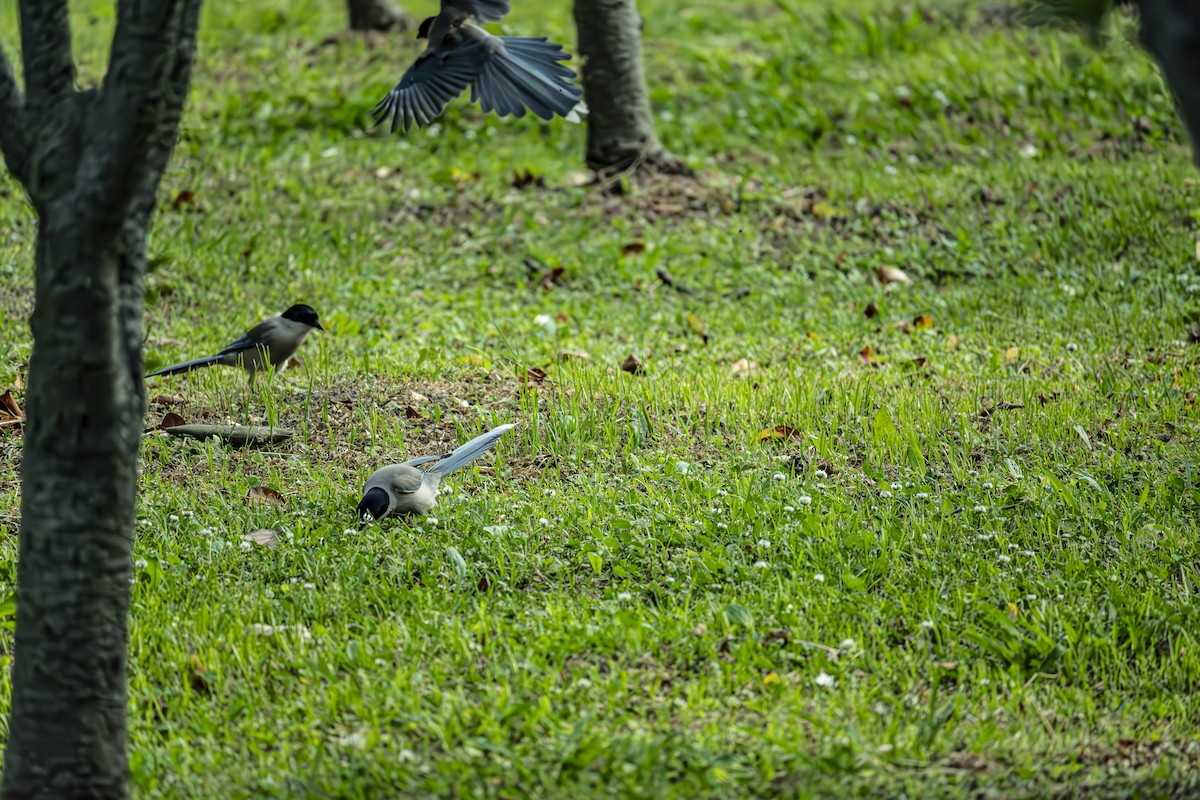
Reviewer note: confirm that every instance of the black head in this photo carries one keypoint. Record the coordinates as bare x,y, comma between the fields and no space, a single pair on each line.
374,505
304,315
423,31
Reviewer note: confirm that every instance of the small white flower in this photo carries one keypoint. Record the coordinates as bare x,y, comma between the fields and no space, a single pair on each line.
819,578
980,509
145,523
763,543
187,513
682,467
804,500
582,683
897,486
722,525
1003,559
349,532
721,492
246,545
623,596
778,476
885,494
922,495
789,509
848,644
669,579
544,321
761,565
824,680
822,474
174,518
1028,553
986,485
543,521
927,624
1072,347
432,520
310,586
141,563
984,682
379,662
1029,151
889,169
872,97
852,139
208,531
1029,598
885,747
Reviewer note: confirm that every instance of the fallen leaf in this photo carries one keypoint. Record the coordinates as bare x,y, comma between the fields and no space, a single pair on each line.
483,584
811,335
697,325
527,178
534,375
902,325
412,413
267,537
871,310
383,173
779,433
633,247
667,209
1011,355
577,178
893,275
171,420
168,400
633,365
867,356
199,677
949,666
923,321
552,277
743,367
952,342
9,407
185,198
771,678
417,397
574,355
1013,611
264,494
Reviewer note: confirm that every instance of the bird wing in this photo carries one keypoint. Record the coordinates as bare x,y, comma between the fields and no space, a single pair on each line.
251,339
436,78
397,478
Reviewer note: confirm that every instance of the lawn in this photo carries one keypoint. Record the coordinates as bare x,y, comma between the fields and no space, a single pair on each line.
839,536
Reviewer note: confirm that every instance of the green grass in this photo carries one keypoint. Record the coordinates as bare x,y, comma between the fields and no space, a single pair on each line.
970,573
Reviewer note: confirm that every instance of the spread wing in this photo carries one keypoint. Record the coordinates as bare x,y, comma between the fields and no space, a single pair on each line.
436,78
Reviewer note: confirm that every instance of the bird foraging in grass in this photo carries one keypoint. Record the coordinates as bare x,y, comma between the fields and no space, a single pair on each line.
408,489
507,74
268,344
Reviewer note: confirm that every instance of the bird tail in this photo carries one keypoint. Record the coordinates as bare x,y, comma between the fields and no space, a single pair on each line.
527,72
186,366
465,454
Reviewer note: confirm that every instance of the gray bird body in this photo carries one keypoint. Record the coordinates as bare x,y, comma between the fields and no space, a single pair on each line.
269,343
410,489
507,74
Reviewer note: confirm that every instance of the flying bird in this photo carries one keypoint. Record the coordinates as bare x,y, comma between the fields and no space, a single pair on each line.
507,74
269,343
408,489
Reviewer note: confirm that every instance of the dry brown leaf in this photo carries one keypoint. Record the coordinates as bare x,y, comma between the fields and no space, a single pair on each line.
417,397
534,375
697,325
902,325
199,677
185,198
867,356
893,275
168,400
552,277
633,247
743,367
871,310
667,209
633,365
779,433
267,537
923,321
9,407
574,355
264,494
171,420
412,413
577,178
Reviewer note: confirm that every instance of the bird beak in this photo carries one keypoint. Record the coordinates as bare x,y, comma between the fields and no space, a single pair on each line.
317,325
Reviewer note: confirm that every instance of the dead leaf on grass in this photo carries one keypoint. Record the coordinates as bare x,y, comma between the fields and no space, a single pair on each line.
779,433
867,356
633,365
574,355
11,415
267,537
168,400
185,198
871,310
631,248
889,274
171,420
743,367
264,494
923,321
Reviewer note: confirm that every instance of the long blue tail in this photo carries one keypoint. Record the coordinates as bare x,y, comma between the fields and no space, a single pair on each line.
465,454
187,366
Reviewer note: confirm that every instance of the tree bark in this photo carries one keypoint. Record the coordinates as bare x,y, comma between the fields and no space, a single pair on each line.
377,15
1170,31
91,163
620,124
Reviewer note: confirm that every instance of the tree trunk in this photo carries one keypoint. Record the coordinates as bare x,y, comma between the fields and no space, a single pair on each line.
91,162
620,124
377,15
1170,31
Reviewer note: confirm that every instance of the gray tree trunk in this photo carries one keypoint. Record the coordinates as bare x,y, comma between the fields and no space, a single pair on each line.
620,125
377,15
91,163
1170,31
